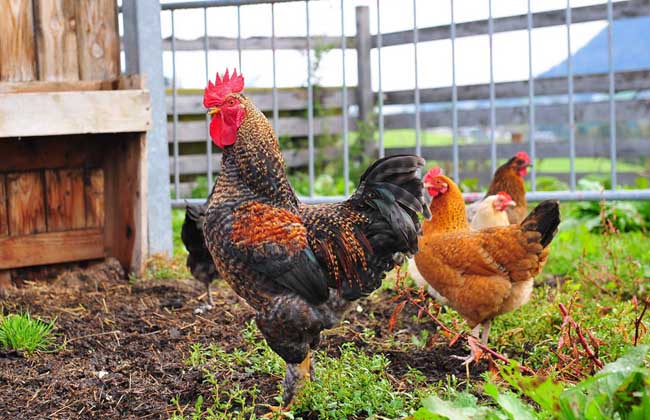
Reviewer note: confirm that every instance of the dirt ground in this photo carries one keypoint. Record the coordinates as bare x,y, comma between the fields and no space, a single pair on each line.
122,346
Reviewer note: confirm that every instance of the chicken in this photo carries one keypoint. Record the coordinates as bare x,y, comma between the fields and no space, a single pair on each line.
299,265
509,178
492,211
199,260
485,273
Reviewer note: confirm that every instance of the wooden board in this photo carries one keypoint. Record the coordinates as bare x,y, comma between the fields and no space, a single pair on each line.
64,191
17,56
5,280
98,39
56,39
26,203
50,248
55,113
4,228
66,152
94,197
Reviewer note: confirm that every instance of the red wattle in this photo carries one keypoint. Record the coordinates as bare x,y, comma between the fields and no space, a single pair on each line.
222,134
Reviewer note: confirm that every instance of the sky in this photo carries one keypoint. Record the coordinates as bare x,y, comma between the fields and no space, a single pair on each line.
510,49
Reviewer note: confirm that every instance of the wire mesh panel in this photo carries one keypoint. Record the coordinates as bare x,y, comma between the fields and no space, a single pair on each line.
469,128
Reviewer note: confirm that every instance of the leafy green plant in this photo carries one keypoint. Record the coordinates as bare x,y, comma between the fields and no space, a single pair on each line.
23,333
621,390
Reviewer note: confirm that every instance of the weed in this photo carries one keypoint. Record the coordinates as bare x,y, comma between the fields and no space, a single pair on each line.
21,332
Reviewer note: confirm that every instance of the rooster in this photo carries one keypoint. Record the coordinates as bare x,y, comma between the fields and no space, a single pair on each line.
299,265
509,178
199,260
486,273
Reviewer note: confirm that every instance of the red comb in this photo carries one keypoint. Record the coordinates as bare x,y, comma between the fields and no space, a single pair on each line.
523,156
504,195
433,172
215,94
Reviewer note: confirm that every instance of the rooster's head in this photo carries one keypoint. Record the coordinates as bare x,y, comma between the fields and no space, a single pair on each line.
225,104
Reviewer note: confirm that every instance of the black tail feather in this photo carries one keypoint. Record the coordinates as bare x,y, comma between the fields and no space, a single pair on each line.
544,219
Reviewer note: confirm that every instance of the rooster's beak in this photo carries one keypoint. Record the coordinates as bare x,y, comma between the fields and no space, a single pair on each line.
213,111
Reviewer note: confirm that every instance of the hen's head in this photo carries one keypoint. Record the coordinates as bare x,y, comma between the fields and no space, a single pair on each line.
520,163
435,182
225,104
501,201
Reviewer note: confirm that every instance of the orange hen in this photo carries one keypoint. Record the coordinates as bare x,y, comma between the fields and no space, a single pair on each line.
481,274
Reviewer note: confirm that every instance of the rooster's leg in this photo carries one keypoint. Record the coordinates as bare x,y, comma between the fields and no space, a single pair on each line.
296,373
209,293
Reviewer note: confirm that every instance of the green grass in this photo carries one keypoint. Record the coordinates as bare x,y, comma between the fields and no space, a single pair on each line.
22,333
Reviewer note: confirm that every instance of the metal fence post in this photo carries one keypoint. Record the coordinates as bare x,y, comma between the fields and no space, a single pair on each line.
143,51
364,80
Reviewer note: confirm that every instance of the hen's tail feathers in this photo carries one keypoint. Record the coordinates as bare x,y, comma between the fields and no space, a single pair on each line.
392,187
544,219
199,260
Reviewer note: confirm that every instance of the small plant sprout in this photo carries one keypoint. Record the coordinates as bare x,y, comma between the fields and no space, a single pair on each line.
22,333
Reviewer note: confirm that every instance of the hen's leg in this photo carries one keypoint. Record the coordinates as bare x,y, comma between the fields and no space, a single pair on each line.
486,331
296,374
466,360
209,293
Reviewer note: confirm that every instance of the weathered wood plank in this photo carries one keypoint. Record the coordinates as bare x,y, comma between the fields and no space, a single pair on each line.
50,248
253,43
74,112
94,197
4,227
624,9
26,203
192,131
584,83
294,158
17,49
584,147
125,203
65,199
56,39
122,82
32,153
5,281
288,100
548,114
98,39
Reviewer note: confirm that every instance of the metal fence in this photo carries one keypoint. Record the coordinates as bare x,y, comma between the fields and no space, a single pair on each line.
371,105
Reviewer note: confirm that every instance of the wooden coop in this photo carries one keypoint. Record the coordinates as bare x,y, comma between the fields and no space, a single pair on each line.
72,138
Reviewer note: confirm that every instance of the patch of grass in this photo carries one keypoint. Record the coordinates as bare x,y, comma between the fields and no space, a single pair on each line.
23,333
178,217
162,267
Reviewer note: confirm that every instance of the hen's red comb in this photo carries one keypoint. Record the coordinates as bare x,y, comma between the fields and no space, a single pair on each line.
433,172
523,156
216,93
504,195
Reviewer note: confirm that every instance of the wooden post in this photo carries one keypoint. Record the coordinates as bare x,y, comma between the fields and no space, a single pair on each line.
364,80
98,40
56,39
17,57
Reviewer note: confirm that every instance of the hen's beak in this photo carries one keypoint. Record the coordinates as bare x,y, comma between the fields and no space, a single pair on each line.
511,203
213,111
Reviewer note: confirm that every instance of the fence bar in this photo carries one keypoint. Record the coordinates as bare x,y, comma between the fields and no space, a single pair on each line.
215,3
276,108
572,139
493,143
346,146
530,197
310,107
208,141
454,97
416,93
239,37
531,101
612,102
177,180
380,92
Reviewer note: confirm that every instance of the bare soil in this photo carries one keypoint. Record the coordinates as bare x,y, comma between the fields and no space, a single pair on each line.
122,347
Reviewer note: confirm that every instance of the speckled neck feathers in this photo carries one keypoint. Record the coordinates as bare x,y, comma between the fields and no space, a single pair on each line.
447,211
